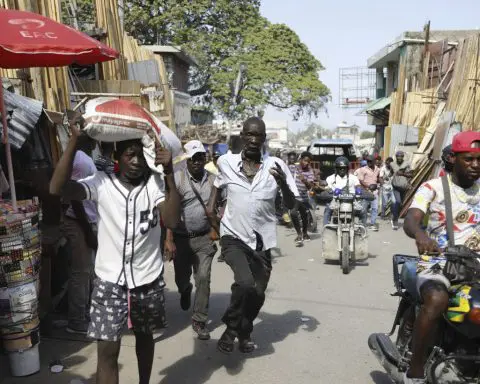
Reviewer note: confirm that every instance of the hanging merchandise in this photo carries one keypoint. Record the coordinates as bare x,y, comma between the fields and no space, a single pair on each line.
20,252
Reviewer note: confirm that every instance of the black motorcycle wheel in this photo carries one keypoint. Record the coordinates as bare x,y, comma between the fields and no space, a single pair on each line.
345,256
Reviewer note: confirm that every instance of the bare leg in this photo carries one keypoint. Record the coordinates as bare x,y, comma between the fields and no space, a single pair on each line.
435,303
144,347
107,363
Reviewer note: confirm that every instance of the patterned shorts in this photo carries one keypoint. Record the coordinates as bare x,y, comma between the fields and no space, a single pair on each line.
431,269
110,309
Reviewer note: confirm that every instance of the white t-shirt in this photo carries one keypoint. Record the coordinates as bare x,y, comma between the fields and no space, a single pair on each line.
335,181
386,175
430,199
83,167
128,229
250,205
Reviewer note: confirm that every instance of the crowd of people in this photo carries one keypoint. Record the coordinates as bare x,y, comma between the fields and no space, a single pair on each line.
125,220
387,181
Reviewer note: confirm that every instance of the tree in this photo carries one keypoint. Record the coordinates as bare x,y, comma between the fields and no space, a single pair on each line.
367,135
223,34
280,72
82,17
314,131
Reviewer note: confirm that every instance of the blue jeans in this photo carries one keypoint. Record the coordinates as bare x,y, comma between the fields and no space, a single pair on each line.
374,213
387,196
397,205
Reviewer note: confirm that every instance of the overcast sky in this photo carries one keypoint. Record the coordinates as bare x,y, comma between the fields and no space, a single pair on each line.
345,33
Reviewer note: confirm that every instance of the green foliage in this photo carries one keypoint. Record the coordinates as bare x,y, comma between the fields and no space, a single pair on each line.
280,71
221,35
367,135
313,131
85,13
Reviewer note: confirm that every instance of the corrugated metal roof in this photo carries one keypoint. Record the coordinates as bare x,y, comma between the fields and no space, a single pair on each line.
376,105
22,116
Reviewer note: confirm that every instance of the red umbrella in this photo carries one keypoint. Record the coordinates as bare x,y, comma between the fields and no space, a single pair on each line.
32,40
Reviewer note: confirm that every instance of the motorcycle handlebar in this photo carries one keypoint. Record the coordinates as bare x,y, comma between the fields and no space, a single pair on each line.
329,196
458,251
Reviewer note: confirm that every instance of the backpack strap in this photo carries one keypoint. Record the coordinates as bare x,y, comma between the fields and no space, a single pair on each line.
448,210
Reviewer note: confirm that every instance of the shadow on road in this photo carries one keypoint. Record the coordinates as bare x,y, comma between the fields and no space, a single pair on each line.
205,360
51,350
380,377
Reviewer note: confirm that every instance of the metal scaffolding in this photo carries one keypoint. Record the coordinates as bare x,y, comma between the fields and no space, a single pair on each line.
357,87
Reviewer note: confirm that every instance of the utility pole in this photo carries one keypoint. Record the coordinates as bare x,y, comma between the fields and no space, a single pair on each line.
236,93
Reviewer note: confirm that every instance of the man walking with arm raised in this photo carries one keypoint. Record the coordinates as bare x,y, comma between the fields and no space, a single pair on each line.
248,227
129,265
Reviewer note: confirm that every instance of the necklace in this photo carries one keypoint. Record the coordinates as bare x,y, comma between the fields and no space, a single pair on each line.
469,196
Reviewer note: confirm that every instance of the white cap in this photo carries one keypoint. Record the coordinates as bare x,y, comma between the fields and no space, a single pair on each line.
193,147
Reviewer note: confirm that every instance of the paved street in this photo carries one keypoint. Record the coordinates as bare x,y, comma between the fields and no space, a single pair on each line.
313,328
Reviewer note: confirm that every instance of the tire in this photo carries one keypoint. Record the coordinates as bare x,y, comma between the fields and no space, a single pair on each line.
345,255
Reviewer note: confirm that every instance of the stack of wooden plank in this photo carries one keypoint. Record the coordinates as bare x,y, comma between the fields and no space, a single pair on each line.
109,20
464,95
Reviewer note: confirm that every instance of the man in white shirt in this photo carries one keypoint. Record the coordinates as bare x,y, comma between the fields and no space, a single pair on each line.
80,228
341,179
248,227
129,265
386,176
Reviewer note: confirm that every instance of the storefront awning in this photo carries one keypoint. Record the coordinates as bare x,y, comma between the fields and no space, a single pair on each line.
376,105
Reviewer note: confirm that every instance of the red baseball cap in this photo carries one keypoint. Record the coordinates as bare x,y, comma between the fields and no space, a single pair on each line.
468,141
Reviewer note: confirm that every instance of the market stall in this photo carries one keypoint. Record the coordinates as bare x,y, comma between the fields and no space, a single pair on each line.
29,40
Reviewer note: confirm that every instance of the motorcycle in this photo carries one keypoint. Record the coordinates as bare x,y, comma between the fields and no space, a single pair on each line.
455,358
344,239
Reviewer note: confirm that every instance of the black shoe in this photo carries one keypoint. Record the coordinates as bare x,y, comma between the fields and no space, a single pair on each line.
306,237
77,328
221,258
246,345
201,330
186,298
299,241
227,341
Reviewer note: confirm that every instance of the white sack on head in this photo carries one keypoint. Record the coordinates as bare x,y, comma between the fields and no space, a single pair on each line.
170,141
110,119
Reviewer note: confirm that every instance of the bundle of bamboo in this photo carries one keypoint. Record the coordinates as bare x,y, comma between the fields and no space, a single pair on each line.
109,20
463,98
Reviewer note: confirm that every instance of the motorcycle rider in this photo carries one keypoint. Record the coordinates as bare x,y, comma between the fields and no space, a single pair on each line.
429,202
341,179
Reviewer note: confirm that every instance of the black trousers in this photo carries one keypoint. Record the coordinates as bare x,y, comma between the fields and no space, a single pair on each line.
300,217
251,271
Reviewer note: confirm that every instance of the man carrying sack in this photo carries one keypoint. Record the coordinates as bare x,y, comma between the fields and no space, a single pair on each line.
191,245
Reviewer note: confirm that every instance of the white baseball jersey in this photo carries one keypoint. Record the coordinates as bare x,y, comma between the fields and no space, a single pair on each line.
128,229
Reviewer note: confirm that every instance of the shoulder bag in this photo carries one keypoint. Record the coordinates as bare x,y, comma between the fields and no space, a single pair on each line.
214,235
400,183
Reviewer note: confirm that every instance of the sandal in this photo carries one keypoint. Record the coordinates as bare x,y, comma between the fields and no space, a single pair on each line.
246,345
226,343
